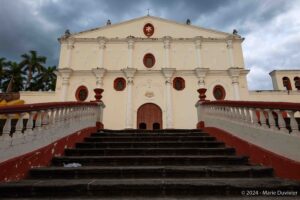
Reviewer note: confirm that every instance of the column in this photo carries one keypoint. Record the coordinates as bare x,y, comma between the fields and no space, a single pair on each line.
234,74
65,73
230,53
130,41
201,74
167,45
101,42
168,74
70,46
99,74
198,45
129,74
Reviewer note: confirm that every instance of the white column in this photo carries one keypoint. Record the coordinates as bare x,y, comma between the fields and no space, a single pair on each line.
65,73
201,74
234,75
99,74
129,73
168,74
167,45
130,41
198,45
70,46
101,42
230,53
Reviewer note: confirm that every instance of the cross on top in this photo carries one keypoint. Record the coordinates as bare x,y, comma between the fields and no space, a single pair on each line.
148,11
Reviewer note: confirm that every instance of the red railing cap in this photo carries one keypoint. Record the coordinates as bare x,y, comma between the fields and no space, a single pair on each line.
257,104
42,106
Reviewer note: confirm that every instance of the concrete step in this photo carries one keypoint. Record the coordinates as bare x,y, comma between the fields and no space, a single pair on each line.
139,172
148,139
149,134
159,144
148,151
150,160
143,187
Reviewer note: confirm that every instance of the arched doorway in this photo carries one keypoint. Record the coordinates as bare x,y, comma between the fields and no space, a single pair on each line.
149,116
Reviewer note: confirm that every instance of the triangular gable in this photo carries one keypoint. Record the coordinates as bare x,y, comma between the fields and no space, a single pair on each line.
162,27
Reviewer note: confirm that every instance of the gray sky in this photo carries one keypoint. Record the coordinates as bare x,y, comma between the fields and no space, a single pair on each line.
271,27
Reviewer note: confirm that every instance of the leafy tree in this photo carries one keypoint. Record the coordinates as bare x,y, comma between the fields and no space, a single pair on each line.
45,80
32,63
3,66
15,74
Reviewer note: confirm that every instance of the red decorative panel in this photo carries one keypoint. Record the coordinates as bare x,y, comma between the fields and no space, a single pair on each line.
81,93
219,92
178,83
149,60
148,29
119,84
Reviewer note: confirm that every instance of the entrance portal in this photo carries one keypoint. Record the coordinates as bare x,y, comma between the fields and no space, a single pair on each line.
149,116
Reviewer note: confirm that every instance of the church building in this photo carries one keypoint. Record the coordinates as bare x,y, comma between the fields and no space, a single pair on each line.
150,69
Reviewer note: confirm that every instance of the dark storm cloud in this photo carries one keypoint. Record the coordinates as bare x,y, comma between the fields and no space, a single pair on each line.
36,24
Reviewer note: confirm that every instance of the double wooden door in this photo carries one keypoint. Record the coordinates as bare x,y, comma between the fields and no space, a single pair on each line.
149,117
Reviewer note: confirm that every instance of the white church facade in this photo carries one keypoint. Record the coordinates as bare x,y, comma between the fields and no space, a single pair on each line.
150,69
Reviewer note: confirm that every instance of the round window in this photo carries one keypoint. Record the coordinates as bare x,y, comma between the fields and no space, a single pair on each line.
148,29
219,92
119,84
149,60
81,93
178,83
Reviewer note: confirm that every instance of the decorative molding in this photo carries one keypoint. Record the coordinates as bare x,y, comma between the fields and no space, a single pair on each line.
99,74
129,72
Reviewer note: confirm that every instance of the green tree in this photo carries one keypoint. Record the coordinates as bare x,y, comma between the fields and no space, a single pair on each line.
45,80
32,63
3,67
14,73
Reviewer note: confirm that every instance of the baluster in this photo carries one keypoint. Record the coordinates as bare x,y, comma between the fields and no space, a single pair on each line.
248,116
38,123
7,129
262,119
255,118
271,119
281,122
293,122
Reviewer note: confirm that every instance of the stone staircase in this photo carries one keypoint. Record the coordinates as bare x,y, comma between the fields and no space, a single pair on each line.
139,164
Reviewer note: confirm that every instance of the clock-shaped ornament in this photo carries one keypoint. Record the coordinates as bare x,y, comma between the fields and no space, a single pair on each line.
148,29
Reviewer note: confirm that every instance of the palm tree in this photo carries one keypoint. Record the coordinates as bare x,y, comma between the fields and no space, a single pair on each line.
3,66
45,80
32,63
15,76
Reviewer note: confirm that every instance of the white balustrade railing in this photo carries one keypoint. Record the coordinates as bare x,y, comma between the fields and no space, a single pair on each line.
276,116
30,126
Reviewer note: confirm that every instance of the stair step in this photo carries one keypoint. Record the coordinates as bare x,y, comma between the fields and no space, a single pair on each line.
148,151
150,160
159,144
151,172
147,139
148,134
143,187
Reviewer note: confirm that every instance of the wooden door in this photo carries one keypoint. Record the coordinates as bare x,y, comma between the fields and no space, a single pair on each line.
149,116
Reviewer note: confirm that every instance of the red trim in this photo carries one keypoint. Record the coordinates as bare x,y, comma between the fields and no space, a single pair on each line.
116,81
200,125
42,106
17,168
151,56
283,167
79,89
256,104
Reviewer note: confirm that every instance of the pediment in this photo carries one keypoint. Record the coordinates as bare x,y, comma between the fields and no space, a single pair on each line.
162,27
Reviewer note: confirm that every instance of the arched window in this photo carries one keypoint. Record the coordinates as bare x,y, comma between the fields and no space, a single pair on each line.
287,83
149,60
142,126
219,92
156,126
297,82
81,93
178,83
119,84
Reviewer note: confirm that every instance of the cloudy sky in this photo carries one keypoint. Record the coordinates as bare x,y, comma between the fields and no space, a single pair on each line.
271,27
